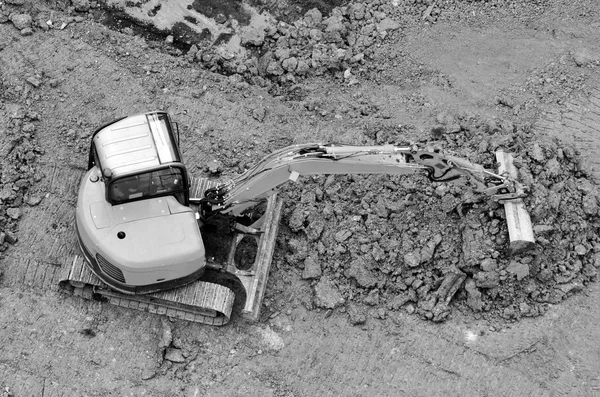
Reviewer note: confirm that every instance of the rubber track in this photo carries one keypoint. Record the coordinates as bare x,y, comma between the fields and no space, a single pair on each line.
199,302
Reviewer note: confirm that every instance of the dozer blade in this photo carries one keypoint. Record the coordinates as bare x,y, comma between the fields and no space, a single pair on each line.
520,230
200,302
254,279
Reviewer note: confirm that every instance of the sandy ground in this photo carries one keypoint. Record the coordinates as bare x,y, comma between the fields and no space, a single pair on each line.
56,345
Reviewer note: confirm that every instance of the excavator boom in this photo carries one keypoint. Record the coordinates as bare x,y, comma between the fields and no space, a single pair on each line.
314,159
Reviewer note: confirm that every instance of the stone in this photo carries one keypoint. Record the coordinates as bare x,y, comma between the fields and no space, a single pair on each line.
358,270
474,300
274,68
387,24
342,235
259,114
487,279
327,295
519,269
312,268
412,259
488,265
174,355
313,17
303,67
220,18
537,153
21,21
356,314
13,213
580,249
372,299
9,237
290,64
398,301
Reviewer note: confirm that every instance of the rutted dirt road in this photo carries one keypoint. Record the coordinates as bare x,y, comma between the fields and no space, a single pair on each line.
483,65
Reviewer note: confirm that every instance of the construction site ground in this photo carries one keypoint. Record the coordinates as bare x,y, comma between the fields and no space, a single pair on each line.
532,63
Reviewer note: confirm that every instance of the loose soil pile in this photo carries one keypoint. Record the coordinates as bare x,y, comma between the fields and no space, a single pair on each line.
394,243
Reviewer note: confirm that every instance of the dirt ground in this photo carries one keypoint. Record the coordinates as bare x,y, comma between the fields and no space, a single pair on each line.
468,74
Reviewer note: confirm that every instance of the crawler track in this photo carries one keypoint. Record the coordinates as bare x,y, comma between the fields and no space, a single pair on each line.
199,302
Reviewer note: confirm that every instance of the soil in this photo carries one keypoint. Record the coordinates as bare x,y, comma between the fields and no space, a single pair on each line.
380,285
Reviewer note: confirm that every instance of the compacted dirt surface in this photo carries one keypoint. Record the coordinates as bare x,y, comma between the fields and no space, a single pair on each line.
379,285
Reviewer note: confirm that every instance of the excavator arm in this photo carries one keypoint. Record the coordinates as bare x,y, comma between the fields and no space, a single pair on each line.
258,183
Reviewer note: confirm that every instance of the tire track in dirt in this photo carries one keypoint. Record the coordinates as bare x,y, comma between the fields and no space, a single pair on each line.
578,121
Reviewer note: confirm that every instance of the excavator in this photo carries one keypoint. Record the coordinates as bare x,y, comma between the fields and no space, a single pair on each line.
142,221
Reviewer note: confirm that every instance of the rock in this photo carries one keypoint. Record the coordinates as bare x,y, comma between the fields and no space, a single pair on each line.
169,39
81,5
252,36
589,204
21,21
259,114
327,295
474,300
26,32
174,355
574,286
488,265
312,268
438,131
398,301
15,2
363,276
34,81
220,18
487,279
356,314
412,259
214,167
2,238
9,237
537,153
440,312
313,17
585,57
580,250
342,235
519,269
372,299
296,222
274,68
387,24
13,213
429,249
543,230
290,64
303,67
427,304
450,285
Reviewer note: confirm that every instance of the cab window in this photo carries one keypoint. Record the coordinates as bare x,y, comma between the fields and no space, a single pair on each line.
167,181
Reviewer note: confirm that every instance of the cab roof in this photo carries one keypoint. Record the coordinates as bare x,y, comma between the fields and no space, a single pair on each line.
136,143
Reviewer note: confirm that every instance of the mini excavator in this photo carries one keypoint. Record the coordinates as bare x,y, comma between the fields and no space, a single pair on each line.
142,220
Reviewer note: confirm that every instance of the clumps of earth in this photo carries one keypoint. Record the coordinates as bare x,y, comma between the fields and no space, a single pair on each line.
312,45
18,164
380,244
